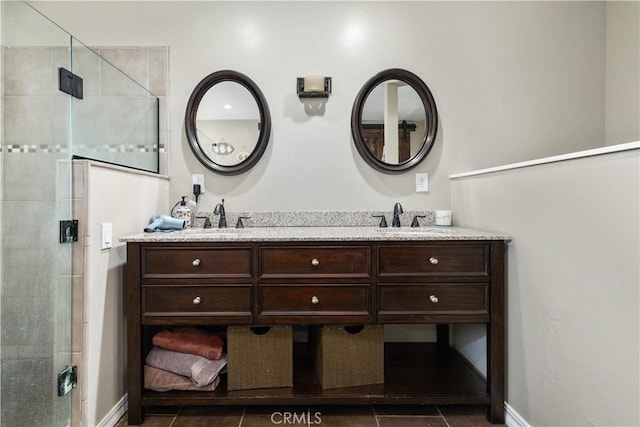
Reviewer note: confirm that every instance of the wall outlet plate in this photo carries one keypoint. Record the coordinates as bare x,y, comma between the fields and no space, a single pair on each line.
422,182
198,178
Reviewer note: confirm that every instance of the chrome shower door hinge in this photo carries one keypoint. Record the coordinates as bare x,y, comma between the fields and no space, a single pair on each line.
67,380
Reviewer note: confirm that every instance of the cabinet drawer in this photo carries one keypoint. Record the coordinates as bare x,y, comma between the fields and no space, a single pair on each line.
310,261
418,299
196,262
433,260
208,300
314,300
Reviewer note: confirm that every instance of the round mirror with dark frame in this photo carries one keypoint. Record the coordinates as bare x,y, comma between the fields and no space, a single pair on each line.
394,121
227,122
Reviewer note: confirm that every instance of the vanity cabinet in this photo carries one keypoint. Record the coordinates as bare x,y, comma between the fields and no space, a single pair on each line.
261,283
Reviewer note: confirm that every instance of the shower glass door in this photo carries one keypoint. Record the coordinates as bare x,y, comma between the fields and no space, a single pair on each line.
36,276
41,130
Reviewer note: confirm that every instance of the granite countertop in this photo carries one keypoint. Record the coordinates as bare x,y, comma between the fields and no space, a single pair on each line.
315,233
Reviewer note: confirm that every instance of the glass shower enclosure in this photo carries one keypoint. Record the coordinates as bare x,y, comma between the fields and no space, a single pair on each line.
111,119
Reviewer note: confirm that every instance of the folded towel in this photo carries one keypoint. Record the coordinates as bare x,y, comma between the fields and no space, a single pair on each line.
192,341
160,380
201,370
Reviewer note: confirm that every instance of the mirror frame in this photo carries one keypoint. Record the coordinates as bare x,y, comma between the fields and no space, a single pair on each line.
430,111
192,111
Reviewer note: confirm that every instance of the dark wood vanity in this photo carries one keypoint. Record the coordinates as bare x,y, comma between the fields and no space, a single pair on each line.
253,282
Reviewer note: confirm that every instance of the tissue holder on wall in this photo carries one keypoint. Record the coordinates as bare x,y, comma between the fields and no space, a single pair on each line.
314,87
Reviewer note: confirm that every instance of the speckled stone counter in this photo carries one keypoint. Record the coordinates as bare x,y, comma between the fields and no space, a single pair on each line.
274,234
315,226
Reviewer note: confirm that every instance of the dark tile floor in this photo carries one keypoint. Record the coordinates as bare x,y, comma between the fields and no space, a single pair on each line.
322,416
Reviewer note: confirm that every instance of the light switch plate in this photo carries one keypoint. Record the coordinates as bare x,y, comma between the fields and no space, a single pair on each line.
422,182
106,235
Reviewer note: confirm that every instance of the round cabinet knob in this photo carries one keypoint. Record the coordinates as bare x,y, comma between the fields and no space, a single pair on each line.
433,260
314,300
315,262
433,299
197,300
196,262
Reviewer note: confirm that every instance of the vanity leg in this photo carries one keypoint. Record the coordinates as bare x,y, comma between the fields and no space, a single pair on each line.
496,335
134,416
442,333
135,362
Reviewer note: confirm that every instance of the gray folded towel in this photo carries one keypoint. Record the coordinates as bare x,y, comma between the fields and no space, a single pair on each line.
201,370
161,380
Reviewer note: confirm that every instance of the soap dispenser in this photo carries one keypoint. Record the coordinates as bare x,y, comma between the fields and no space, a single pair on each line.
183,211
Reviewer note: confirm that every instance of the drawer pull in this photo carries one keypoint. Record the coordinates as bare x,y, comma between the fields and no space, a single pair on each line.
433,299
196,262
197,300
315,262
433,260
314,300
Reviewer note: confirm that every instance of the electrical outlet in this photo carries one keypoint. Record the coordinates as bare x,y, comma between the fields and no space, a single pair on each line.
198,179
422,182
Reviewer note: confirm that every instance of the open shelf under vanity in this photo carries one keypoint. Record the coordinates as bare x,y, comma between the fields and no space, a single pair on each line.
447,378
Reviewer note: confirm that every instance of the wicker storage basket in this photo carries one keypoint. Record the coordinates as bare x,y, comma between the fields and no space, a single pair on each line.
346,357
258,359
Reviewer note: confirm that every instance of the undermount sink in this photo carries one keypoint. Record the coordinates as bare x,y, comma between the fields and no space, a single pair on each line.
436,231
219,231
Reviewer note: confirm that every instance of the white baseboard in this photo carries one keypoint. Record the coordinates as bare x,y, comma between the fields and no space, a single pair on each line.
116,413
512,418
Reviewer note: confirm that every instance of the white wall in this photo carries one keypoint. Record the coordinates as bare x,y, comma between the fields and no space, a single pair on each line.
511,80
623,72
102,368
573,285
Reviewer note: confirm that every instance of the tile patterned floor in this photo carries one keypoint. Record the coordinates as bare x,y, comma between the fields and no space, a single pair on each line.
321,416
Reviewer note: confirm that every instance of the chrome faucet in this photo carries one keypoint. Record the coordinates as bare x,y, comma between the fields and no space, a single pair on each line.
397,210
219,210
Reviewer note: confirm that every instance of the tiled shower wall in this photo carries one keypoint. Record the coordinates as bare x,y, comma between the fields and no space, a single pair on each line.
36,177
113,105
35,110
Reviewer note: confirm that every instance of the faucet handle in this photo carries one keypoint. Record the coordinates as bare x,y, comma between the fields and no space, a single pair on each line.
383,220
239,224
207,221
415,223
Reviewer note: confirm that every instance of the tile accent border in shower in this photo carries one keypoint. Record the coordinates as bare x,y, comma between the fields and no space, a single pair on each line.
60,148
